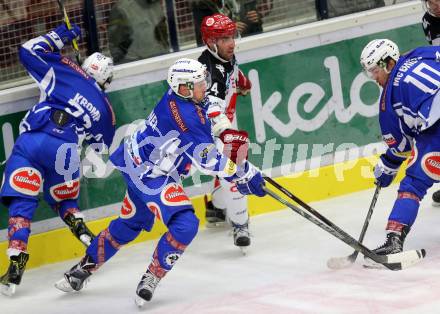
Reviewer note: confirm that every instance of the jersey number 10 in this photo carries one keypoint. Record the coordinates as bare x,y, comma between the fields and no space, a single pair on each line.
418,70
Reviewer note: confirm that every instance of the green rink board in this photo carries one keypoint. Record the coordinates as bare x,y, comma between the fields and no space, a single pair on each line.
314,96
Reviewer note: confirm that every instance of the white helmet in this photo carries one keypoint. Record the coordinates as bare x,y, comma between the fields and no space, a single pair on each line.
100,68
376,53
187,72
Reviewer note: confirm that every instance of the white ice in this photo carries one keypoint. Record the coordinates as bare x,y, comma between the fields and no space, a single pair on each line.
284,272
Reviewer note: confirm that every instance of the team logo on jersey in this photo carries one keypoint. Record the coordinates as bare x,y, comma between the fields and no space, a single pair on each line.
389,139
155,209
174,195
221,68
431,165
171,258
26,180
128,209
65,190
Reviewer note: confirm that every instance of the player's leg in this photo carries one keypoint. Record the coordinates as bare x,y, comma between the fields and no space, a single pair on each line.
216,208
62,185
175,210
420,176
19,192
436,198
63,198
236,212
21,211
133,218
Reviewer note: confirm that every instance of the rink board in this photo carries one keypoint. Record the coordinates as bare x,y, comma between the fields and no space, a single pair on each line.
308,90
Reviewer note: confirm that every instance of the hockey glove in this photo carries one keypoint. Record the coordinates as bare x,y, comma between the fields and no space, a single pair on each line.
243,84
61,35
236,144
251,182
386,169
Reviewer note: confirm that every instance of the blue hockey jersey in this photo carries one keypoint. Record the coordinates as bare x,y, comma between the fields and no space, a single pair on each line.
65,86
176,134
407,102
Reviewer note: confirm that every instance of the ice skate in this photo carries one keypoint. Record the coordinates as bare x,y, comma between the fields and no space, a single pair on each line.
145,288
79,228
242,237
215,217
12,278
436,199
77,277
393,244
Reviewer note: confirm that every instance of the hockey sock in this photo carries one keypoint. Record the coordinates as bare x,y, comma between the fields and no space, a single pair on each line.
183,228
110,240
405,208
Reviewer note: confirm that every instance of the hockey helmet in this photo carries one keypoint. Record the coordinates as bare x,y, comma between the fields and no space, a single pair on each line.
187,72
217,26
100,68
377,53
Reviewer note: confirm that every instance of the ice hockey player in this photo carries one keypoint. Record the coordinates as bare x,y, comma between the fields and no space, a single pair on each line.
72,104
175,136
431,27
218,34
431,21
409,121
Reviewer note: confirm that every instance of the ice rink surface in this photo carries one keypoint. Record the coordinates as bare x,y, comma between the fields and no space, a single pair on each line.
284,272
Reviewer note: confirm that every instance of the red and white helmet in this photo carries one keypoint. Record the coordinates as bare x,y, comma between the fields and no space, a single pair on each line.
217,26
100,68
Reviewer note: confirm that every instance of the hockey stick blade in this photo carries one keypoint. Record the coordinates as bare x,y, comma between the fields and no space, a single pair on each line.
405,259
395,262
341,262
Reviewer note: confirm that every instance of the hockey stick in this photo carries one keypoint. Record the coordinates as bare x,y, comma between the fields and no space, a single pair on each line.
69,26
347,261
396,261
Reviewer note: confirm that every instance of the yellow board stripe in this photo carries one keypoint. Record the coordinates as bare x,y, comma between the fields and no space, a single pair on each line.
313,185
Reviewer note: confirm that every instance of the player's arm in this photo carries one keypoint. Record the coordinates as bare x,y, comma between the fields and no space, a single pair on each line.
39,54
244,85
399,148
230,164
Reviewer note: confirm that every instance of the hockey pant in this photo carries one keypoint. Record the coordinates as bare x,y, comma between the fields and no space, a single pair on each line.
138,212
226,196
33,160
422,172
